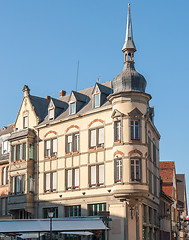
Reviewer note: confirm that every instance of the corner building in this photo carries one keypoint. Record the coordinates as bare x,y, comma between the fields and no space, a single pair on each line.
91,151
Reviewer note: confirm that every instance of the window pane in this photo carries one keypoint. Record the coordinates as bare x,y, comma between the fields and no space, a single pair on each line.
72,108
3,206
118,172
101,136
93,175
93,138
118,131
25,121
97,100
47,182
76,142
54,148
101,173
13,153
76,177
23,181
31,151
69,179
54,181
24,151
51,114
69,146
48,148
4,176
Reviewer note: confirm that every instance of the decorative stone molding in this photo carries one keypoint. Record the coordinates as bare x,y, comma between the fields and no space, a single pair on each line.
50,132
72,126
96,120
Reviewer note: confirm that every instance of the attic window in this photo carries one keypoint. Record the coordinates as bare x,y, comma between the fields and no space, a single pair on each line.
97,100
51,113
72,108
25,121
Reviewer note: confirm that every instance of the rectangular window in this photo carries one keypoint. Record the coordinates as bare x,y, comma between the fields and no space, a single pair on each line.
97,100
25,122
117,131
155,185
144,233
72,178
18,184
5,147
4,176
24,151
135,170
31,151
51,147
51,114
150,182
72,108
135,130
154,153
72,143
97,175
94,209
31,184
97,137
149,146
19,152
150,215
50,181
13,153
118,170
144,213
47,210
73,211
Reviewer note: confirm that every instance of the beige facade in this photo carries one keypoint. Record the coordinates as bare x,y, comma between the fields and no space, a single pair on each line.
91,151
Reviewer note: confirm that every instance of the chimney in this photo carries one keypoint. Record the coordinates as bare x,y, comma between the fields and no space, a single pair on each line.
48,97
62,93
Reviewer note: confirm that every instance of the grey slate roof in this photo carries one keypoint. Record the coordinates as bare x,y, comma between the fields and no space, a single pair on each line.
22,133
40,106
58,103
84,96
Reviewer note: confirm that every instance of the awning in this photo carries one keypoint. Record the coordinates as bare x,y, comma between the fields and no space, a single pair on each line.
30,235
85,233
43,225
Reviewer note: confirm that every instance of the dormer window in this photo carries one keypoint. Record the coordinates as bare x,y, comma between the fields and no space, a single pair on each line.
72,108
25,121
97,100
51,113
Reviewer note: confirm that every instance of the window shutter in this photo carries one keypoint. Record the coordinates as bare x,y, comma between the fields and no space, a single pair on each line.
101,136
47,181
93,175
48,144
54,142
69,178
54,180
76,177
4,176
101,174
93,138
76,142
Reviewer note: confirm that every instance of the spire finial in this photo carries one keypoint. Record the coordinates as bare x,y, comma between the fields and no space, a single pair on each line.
129,46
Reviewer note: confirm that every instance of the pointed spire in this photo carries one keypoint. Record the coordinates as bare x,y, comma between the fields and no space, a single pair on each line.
129,46
129,43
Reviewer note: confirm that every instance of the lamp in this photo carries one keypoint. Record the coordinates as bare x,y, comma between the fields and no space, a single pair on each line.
51,215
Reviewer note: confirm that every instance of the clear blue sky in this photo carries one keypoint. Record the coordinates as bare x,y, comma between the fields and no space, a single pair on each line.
42,40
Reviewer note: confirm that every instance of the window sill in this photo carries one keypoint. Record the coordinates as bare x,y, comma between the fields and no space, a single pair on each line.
135,181
18,161
52,157
117,142
136,141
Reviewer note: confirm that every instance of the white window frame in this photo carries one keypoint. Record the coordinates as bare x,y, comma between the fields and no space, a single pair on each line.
117,131
51,148
118,170
72,178
72,110
5,147
96,100
134,164
135,128
96,139
51,113
50,181
25,121
72,142
94,173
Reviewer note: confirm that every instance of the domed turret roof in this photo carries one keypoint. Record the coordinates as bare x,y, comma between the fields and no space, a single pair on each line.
129,80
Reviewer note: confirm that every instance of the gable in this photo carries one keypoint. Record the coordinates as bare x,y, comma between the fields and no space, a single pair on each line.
116,113
135,112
